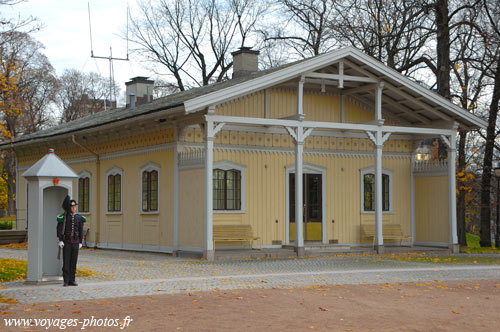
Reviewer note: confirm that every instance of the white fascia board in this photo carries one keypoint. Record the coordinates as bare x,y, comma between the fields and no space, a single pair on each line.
432,96
265,81
327,125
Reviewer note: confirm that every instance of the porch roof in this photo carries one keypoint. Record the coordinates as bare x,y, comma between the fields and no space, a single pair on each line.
405,102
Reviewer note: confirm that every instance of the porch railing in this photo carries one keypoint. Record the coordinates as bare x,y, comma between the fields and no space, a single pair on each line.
430,166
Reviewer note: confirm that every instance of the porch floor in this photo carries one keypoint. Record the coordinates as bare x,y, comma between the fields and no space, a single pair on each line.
319,250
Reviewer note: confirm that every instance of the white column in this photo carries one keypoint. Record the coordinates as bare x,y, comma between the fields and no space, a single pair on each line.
378,101
299,235
177,149
452,193
378,192
300,98
412,199
208,252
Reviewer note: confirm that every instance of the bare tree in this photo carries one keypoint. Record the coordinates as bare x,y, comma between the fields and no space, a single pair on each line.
468,76
192,39
81,94
302,26
491,36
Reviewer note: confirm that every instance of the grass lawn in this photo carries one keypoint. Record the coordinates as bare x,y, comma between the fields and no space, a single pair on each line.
11,269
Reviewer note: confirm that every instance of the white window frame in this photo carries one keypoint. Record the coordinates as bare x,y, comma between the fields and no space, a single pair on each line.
227,165
148,168
85,174
114,171
371,170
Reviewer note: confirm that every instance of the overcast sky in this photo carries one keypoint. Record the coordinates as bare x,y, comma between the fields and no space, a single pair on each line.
67,39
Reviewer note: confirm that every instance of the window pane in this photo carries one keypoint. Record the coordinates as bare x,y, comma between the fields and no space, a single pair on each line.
145,191
218,189
111,190
87,194
385,193
117,192
369,192
154,191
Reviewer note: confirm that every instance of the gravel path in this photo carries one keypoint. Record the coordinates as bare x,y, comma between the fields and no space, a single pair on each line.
124,273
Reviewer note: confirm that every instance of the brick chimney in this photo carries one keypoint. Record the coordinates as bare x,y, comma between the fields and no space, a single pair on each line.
140,89
245,61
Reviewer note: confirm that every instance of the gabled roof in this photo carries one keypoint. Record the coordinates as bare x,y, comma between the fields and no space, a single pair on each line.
52,166
405,99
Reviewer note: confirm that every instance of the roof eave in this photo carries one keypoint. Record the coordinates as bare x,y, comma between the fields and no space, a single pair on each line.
287,73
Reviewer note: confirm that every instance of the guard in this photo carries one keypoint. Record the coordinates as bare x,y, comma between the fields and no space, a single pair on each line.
70,234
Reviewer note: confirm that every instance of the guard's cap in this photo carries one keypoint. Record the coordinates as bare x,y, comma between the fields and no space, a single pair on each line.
73,203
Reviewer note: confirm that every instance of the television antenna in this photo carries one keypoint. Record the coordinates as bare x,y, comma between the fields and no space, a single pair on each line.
110,58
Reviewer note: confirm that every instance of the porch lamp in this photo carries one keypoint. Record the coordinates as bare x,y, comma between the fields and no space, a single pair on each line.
497,233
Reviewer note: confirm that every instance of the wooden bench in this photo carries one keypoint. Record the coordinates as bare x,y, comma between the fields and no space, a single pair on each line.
390,232
233,233
13,236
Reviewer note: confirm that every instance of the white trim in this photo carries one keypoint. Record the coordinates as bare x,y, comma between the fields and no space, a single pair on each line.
432,244
227,165
371,170
132,247
149,167
426,174
84,174
114,171
327,125
191,249
306,169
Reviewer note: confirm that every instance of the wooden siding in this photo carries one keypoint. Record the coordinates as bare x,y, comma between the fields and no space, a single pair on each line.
431,209
283,103
266,193
192,208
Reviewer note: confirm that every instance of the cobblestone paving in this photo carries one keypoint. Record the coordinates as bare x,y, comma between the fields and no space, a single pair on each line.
123,273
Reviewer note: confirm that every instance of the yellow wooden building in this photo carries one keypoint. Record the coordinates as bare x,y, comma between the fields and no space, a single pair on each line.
158,176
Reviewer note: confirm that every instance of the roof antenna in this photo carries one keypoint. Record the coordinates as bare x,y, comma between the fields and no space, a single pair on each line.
110,58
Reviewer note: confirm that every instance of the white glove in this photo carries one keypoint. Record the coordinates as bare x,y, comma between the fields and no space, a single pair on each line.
61,244
80,246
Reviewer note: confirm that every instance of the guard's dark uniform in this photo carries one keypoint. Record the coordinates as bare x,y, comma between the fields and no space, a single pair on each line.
72,236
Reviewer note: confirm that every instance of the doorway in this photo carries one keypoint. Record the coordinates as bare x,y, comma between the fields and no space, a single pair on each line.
312,198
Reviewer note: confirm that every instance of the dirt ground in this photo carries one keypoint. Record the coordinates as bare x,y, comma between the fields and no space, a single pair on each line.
429,306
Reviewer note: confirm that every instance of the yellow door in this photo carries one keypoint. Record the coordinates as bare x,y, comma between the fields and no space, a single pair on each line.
312,209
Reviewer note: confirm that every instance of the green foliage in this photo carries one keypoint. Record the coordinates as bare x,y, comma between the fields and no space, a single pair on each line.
474,247
5,221
6,224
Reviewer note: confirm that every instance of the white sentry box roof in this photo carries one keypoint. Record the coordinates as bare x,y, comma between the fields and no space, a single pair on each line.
50,165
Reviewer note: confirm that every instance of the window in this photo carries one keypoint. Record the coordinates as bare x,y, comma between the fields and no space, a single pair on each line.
368,190
84,192
114,190
150,191
227,189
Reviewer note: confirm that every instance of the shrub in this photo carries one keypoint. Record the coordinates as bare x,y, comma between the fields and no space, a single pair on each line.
6,224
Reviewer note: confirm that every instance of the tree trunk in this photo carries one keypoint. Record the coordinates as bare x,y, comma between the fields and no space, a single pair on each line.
443,48
487,163
9,165
462,240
